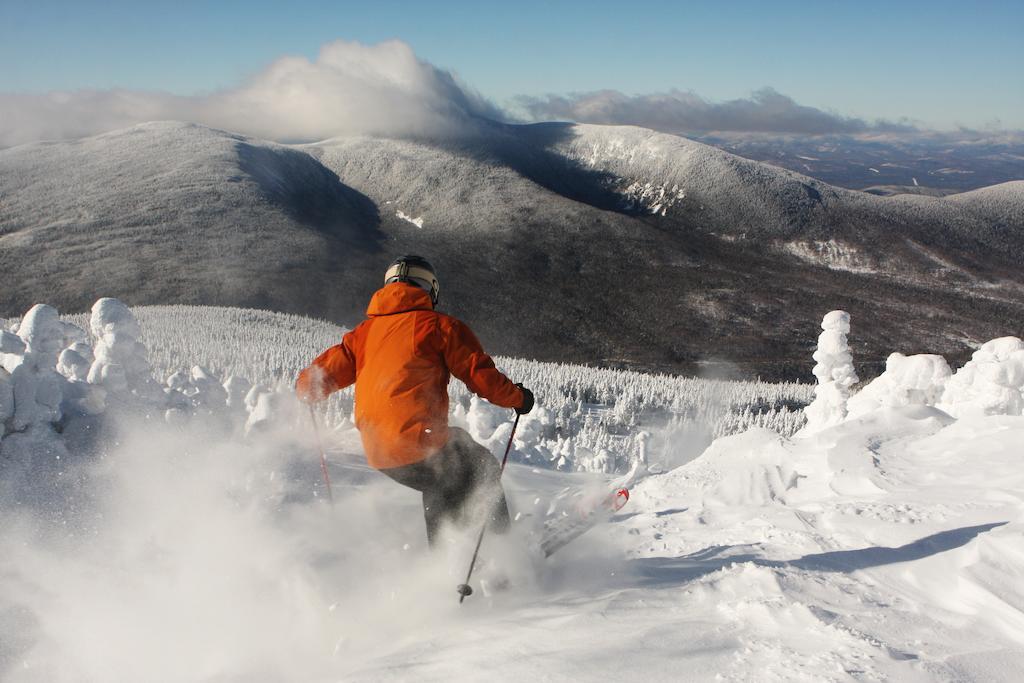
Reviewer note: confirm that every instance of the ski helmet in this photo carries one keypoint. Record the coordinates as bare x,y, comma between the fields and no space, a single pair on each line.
415,270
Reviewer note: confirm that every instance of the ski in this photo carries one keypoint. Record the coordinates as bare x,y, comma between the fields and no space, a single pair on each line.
576,521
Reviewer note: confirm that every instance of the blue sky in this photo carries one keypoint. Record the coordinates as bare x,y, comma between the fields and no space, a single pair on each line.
940,63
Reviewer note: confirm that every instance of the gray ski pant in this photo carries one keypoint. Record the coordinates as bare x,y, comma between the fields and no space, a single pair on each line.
461,485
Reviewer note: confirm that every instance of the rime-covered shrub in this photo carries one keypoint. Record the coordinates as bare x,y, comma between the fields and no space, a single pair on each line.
834,371
907,380
206,391
120,366
236,389
37,388
6,399
75,361
484,418
177,406
10,345
269,407
36,392
991,383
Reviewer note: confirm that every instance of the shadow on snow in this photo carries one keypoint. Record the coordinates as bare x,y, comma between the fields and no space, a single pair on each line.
669,571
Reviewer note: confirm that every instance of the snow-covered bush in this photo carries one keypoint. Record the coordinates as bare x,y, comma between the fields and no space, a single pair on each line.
236,389
269,407
120,366
6,399
907,380
37,388
33,402
10,345
483,419
206,391
75,361
991,383
834,371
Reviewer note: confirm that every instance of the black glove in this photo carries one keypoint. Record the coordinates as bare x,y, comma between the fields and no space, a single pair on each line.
527,401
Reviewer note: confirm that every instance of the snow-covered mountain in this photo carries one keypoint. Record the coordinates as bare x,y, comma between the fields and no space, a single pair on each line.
170,212
557,241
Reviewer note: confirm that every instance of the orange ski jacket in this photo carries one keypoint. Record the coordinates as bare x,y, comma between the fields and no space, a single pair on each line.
401,359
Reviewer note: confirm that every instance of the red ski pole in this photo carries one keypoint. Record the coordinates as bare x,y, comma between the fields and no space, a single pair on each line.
464,588
323,456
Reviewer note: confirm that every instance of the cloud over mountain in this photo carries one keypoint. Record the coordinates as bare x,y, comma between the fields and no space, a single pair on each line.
349,89
676,111
355,89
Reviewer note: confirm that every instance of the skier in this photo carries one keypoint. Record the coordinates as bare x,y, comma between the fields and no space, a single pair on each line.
400,359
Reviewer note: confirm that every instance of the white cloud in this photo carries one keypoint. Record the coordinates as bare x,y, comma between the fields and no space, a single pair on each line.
349,89
384,89
683,112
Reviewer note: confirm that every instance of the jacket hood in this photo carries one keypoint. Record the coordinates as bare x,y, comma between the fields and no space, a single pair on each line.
399,297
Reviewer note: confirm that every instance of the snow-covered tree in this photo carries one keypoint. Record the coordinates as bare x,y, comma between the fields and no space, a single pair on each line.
991,383
10,345
834,371
74,362
121,366
36,389
907,380
236,388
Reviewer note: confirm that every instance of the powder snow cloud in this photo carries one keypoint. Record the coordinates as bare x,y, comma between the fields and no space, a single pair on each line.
676,111
349,89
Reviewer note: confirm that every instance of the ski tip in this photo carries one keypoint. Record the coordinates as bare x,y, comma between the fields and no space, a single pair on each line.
621,498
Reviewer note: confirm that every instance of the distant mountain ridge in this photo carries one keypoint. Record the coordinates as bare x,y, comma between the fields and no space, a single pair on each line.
935,161
598,244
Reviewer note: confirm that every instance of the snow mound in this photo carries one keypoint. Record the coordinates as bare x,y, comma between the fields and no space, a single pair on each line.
753,469
991,383
907,380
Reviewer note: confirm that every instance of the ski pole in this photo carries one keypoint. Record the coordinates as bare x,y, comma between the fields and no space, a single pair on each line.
464,588
323,456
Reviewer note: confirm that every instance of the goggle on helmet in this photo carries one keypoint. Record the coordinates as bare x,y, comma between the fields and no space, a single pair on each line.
415,270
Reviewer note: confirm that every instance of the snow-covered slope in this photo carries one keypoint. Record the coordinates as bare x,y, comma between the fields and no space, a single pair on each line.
721,192
476,183
173,212
885,547
1002,204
